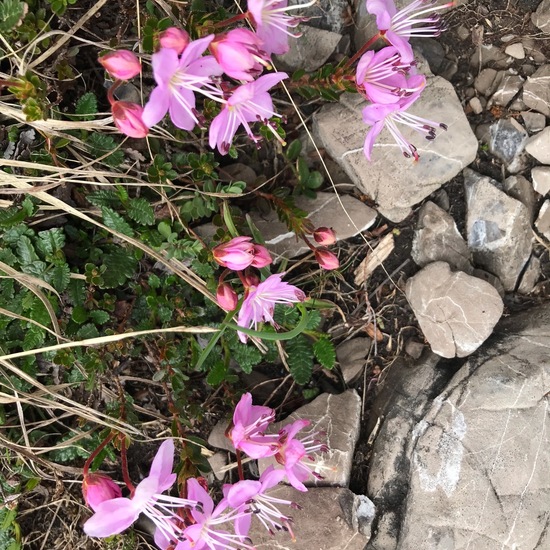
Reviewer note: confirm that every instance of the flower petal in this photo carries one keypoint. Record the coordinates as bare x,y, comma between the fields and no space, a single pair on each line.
162,466
156,107
165,63
112,517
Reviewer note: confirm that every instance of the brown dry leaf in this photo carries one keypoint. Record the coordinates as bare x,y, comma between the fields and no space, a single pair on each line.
374,332
374,259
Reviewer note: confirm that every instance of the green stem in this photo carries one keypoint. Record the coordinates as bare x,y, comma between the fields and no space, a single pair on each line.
228,219
214,340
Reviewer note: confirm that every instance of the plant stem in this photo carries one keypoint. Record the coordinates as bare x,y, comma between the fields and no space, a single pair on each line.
231,20
101,446
362,50
125,473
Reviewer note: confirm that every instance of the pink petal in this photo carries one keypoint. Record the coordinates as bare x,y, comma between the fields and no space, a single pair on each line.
370,138
112,517
196,492
165,63
181,109
240,492
195,49
162,466
267,81
156,107
384,10
402,45
205,66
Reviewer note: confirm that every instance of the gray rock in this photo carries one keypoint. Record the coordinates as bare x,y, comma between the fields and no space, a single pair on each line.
218,461
217,437
456,312
530,276
311,51
534,122
325,14
509,87
538,146
534,50
541,17
352,356
480,456
339,417
437,239
329,518
507,142
536,91
475,105
498,227
348,218
468,470
543,221
521,189
491,56
487,81
515,50
541,179
394,182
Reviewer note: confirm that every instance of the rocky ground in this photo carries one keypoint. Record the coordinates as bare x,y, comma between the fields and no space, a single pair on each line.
454,453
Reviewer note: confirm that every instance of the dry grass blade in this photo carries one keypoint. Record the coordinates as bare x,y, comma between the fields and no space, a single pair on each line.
374,259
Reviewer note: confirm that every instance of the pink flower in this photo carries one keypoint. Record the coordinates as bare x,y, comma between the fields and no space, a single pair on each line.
249,497
128,118
271,22
326,259
262,257
174,38
239,55
97,488
248,103
378,116
237,254
381,76
122,64
115,515
324,236
249,425
206,532
178,78
226,297
259,304
295,455
398,27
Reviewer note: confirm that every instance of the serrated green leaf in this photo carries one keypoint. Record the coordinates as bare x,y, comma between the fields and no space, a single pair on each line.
99,317
100,144
36,268
59,277
104,197
300,359
314,320
25,250
120,266
51,240
87,331
11,14
86,106
77,292
34,338
11,216
141,211
217,374
115,221
325,353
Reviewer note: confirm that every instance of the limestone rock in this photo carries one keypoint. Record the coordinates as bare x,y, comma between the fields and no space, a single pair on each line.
470,469
536,91
521,189
538,146
543,221
480,457
489,55
534,122
393,181
515,50
541,179
330,518
507,142
310,52
508,89
437,239
487,81
530,275
456,312
217,437
352,356
339,417
498,227
541,17
325,210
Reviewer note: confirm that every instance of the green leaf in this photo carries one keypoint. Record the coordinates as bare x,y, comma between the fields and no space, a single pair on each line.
115,221
25,250
141,211
77,292
120,266
86,106
100,144
99,317
104,197
87,331
11,216
217,374
300,359
314,320
294,149
34,338
325,353
59,277
314,181
11,14
303,170
79,315
51,240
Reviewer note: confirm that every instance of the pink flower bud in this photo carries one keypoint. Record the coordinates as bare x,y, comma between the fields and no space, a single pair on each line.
174,38
324,236
97,488
127,118
250,279
261,256
239,55
226,297
122,64
237,254
326,259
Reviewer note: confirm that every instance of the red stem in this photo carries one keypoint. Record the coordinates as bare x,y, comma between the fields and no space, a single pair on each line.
231,20
125,473
91,458
239,464
365,47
